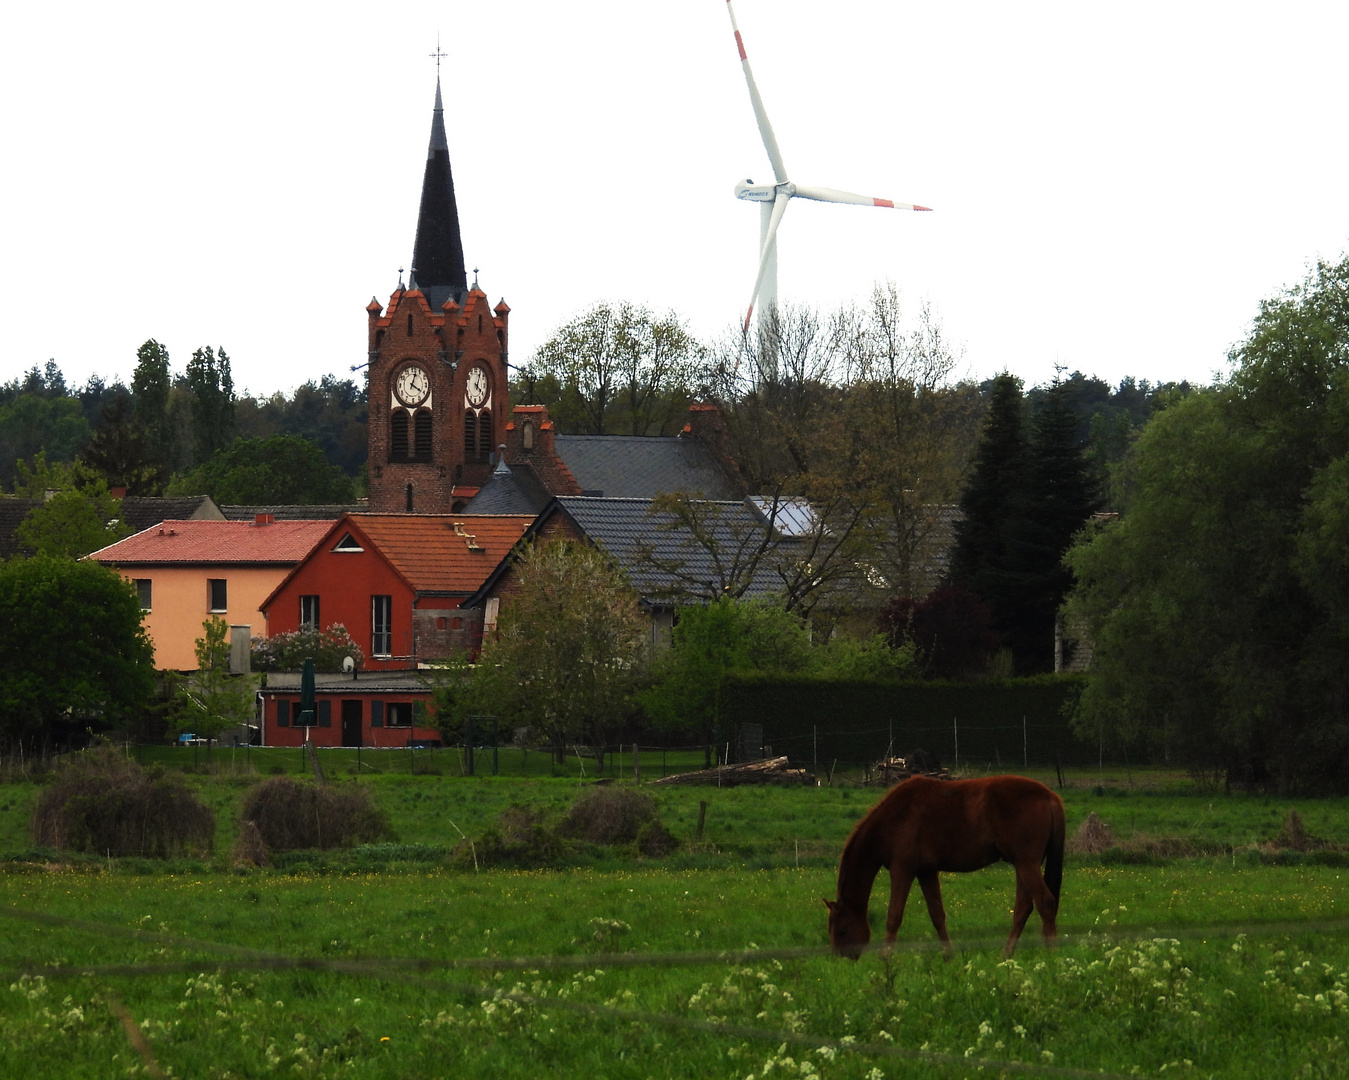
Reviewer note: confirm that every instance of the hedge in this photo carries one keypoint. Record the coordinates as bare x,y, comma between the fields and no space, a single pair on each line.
817,722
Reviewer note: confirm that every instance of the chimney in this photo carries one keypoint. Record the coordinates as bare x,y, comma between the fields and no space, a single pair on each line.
118,492
264,519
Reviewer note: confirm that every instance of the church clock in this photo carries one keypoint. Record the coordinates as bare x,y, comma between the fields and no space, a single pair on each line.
412,386
475,390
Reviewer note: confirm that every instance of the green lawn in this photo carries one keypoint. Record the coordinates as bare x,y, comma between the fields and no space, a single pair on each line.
1233,964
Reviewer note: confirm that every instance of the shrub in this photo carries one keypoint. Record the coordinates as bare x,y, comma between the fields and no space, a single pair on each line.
290,814
100,802
288,651
522,837
612,815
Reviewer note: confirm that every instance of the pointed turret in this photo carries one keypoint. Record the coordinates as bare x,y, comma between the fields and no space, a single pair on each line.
438,253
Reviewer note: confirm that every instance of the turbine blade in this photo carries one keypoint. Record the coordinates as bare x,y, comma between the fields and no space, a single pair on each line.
824,194
779,208
770,142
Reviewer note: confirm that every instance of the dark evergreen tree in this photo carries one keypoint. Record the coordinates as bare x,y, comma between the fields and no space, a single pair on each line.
151,385
208,377
120,452
981,560
1058,495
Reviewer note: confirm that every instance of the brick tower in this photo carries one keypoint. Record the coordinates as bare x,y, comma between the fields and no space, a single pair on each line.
437,373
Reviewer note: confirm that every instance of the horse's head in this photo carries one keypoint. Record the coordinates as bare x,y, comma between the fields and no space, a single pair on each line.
848,931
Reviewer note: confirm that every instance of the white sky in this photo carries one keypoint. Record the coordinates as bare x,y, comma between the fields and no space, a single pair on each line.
1116,186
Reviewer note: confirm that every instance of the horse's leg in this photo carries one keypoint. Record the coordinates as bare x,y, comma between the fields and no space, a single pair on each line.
931,886
1021,910
901,881
1032,892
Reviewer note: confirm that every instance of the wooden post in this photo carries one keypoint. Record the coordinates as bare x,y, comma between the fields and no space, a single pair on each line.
636,765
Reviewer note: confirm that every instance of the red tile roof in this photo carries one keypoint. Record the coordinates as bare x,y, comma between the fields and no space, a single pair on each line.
450,553
186,542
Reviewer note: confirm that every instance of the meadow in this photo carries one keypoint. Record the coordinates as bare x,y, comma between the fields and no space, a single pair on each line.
389,962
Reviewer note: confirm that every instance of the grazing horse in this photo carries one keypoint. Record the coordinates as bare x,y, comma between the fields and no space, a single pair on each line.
924,826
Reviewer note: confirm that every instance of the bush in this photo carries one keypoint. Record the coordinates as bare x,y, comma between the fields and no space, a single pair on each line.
522,837
100,802
290,815
288,651
611,815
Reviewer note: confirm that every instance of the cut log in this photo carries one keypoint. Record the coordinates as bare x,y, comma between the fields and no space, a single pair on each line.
769,771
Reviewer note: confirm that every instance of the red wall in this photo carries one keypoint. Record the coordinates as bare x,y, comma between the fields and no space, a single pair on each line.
331,734
344,582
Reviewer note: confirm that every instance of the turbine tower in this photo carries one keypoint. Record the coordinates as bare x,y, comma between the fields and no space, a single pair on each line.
773,198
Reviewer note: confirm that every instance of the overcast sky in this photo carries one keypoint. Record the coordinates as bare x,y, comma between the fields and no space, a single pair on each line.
1115,186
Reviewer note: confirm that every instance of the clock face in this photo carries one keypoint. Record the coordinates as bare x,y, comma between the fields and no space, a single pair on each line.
476,389
412,386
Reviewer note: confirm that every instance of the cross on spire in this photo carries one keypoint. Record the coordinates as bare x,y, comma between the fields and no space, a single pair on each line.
438,55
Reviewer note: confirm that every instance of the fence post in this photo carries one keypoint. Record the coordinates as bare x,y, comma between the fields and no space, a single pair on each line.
636,765
702,817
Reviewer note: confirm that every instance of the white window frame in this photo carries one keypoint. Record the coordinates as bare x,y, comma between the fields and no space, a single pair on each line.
381,625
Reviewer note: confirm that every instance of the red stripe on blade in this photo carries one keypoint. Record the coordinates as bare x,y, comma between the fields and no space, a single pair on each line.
883,202
740,45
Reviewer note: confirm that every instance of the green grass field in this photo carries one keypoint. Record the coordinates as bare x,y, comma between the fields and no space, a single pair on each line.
386,962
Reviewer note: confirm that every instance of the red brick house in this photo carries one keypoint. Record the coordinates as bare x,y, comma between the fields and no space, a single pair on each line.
381,709
395,581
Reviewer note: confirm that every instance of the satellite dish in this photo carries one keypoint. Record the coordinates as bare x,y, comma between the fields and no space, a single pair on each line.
348,664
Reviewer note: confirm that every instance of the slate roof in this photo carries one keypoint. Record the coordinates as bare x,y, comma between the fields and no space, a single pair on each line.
441,553
366,682
510,491
322,512
663,558
639,466
193,543
12,513
140,512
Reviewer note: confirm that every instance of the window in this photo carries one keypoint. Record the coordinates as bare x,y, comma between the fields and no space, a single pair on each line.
143,592
398,436
381,625
408,494
215,595
398,713
421,424
309,613
348,543
470,436
283,713
527,435
485,446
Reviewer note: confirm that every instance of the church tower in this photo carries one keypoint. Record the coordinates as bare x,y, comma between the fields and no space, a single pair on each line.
437,373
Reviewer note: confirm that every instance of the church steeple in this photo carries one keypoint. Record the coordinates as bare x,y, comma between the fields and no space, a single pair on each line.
438,252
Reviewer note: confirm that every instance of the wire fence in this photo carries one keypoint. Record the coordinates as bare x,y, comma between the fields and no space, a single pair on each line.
416,972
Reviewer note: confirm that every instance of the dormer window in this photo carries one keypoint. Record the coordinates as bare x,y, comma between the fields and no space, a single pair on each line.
527,435
348,543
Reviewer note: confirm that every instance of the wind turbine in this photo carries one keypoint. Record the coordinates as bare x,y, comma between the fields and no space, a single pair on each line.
773,198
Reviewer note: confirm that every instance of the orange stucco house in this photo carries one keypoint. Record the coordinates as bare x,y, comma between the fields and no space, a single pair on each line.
189,571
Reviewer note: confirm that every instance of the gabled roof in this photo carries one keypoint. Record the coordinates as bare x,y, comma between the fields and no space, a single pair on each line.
437,554
140,512
441,553
662,558
283,543
640,466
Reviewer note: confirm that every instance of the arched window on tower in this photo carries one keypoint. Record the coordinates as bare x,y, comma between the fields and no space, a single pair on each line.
398,436
470,436
421,424
485,445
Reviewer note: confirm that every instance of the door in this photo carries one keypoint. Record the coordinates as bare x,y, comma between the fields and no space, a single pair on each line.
351,723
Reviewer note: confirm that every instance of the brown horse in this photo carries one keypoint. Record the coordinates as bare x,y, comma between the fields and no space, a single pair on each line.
925,826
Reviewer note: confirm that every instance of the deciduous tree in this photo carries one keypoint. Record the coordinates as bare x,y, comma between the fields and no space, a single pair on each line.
570,648
1217,603
75,651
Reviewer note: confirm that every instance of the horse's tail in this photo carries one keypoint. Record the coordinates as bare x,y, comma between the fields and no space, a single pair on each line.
1054,849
